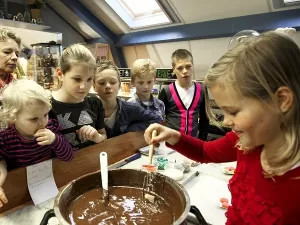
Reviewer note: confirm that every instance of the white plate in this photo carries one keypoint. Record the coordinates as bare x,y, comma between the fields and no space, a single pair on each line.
227,171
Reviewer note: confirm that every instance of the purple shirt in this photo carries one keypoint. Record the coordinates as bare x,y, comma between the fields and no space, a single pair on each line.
20,152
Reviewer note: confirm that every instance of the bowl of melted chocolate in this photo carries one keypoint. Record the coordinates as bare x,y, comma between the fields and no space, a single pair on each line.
82,201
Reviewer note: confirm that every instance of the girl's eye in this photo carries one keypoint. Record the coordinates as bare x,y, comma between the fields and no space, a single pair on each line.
188,67
77,79
233,113
33,119
179,68
90,79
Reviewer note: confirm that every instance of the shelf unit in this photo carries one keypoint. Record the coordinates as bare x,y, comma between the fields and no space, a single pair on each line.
18,24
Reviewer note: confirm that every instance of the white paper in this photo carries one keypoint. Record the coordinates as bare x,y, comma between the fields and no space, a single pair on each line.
161,150
40,181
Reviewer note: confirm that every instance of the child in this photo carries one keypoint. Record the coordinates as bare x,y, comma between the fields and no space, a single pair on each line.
256,84
184,99
29,136
80,115
143,74
120,116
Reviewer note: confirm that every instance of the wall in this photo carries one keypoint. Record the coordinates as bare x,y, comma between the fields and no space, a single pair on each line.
57,24
131,53
204,51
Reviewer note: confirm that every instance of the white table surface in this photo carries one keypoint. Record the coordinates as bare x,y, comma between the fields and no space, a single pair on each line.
204,190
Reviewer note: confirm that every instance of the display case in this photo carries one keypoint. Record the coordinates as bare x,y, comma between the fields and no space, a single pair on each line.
45,60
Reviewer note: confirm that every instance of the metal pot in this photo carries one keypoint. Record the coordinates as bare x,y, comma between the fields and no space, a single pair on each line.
172,192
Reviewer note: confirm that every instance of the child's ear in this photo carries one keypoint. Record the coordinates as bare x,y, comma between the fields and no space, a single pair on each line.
59,73
285,98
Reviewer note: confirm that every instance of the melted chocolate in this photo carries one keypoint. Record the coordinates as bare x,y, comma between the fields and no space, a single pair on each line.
126,205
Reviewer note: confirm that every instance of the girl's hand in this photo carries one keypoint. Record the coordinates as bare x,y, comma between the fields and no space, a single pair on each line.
88,132
163,134
45,136
3,199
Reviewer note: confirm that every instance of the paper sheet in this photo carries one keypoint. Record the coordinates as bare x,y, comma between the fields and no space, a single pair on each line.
161,150
40,181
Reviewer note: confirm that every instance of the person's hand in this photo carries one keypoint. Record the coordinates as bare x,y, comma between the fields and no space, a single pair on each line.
3,199
45,136
88,132
3,173
163,134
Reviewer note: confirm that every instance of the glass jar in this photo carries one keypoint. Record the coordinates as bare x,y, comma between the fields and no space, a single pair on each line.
45,60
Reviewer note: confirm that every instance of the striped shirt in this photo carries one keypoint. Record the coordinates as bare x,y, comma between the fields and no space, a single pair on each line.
20,152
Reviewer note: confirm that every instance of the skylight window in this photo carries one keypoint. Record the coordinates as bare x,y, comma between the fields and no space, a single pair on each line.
138,8
285,3
290,1
140,13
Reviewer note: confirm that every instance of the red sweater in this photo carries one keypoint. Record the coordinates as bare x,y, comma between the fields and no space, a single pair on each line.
255,200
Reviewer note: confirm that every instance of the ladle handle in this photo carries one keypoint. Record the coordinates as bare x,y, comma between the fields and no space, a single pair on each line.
104,171
49,214
151,147
201,221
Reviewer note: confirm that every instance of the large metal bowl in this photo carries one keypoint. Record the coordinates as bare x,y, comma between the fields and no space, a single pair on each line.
173,193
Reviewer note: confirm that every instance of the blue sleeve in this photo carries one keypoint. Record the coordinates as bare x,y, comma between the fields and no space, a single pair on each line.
140,118
162,96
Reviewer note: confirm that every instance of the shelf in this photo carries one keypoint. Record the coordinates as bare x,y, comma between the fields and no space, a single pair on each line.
17,24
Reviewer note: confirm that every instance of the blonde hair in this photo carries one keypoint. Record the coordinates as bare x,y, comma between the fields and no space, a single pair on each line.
181,54
256,68
142,67
107,64
18,95
76,54
6,34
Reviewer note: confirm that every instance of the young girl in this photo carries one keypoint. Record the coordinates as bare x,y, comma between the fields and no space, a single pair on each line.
29,137
120,116
80,115
256,84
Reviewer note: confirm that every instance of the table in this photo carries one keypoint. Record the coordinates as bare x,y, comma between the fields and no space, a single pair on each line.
204,190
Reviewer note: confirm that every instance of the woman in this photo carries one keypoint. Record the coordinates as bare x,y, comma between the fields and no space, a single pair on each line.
9,53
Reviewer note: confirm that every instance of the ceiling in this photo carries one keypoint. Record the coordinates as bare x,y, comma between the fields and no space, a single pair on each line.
189,11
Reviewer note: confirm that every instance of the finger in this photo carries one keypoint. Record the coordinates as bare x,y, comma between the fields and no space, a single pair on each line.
149,130
3,197
91,133
46,142
156,140
41,138
40,133
79,133
83,132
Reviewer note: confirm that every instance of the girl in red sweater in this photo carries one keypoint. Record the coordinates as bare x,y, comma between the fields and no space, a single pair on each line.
256,84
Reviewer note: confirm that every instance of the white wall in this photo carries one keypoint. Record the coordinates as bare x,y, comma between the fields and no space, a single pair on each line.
57,24
205,52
